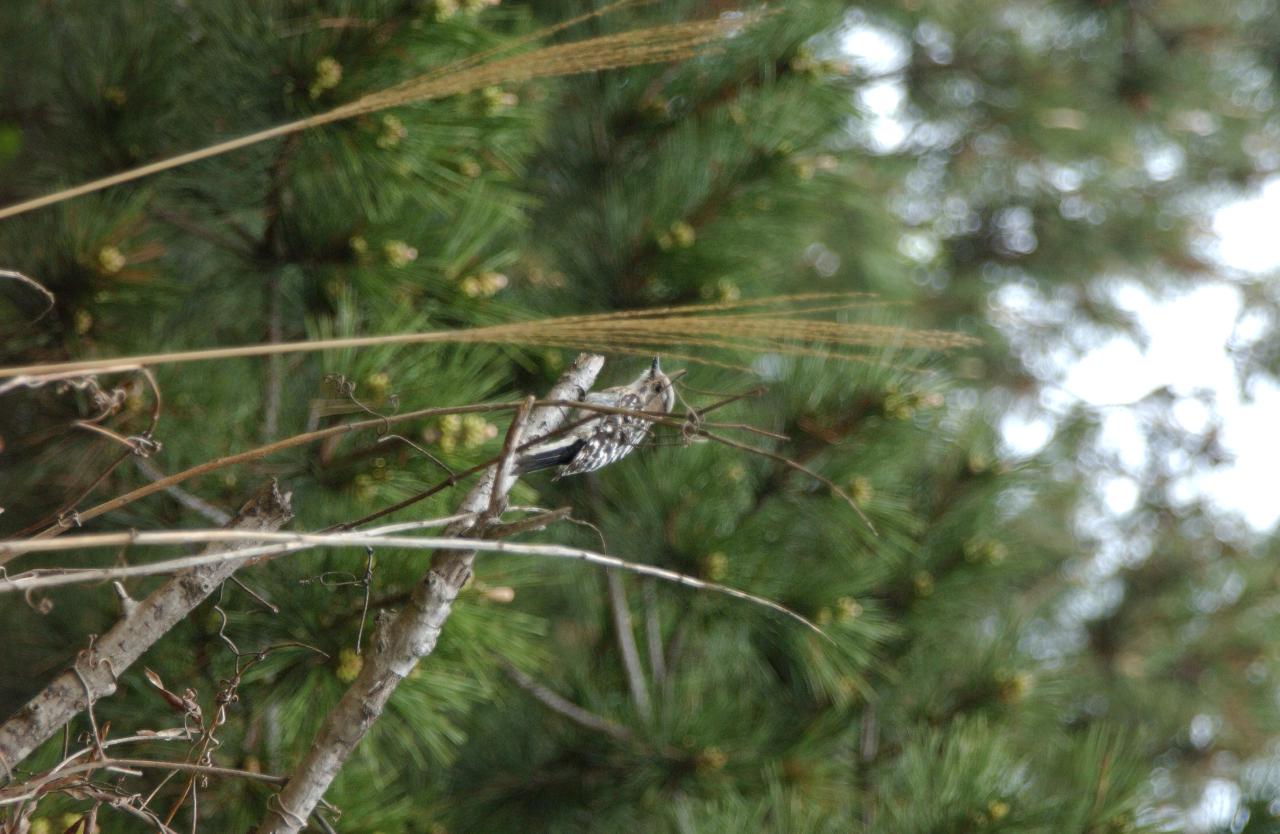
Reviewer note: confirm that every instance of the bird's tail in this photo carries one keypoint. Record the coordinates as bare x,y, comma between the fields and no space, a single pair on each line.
548,457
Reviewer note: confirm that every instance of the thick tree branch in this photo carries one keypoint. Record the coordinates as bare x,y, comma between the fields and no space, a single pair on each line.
98,667
413,633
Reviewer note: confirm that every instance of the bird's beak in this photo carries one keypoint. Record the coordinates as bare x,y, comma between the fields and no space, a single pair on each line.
654,370
674,375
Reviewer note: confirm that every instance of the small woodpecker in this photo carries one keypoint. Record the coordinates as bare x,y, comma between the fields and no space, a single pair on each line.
607,437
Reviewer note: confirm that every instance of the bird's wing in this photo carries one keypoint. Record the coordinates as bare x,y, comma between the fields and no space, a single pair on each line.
611,438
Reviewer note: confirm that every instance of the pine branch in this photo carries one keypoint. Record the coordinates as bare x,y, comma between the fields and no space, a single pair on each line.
191,227
191,502
97,668
563,706
412,634
627,645
653,635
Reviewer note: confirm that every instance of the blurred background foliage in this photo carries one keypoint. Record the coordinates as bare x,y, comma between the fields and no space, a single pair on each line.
1011,655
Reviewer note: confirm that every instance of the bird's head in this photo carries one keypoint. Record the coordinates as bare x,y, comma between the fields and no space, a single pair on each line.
656,388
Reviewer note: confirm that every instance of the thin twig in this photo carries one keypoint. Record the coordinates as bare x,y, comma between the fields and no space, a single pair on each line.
525,525
348,389
133,444
88,700
259,452
387,438
263,601
368,591
504,474
49,298
174,734
772,435
194,503
152,538
799,467
292,542
32,788
139,446
118,802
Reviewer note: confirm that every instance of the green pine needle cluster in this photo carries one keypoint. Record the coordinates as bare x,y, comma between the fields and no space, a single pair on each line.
1006,657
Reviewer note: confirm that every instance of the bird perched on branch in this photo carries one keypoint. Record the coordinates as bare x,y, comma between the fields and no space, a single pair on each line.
605,438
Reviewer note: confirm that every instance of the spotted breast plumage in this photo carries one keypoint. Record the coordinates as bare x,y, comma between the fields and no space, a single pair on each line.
604,438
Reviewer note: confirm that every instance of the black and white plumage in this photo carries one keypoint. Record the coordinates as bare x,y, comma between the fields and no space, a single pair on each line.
607,438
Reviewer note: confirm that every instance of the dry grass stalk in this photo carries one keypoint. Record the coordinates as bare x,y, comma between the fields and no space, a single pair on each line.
658,44
276,544
774,330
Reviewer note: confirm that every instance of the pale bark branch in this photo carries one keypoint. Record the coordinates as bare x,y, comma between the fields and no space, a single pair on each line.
627,645
412,634
98,667
504,474
563,706
653,635
192,502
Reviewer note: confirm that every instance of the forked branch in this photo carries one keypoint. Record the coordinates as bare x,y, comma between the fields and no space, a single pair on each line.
412,634
97,668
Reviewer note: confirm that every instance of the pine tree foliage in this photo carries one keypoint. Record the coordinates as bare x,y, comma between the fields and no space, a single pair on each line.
1006,656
